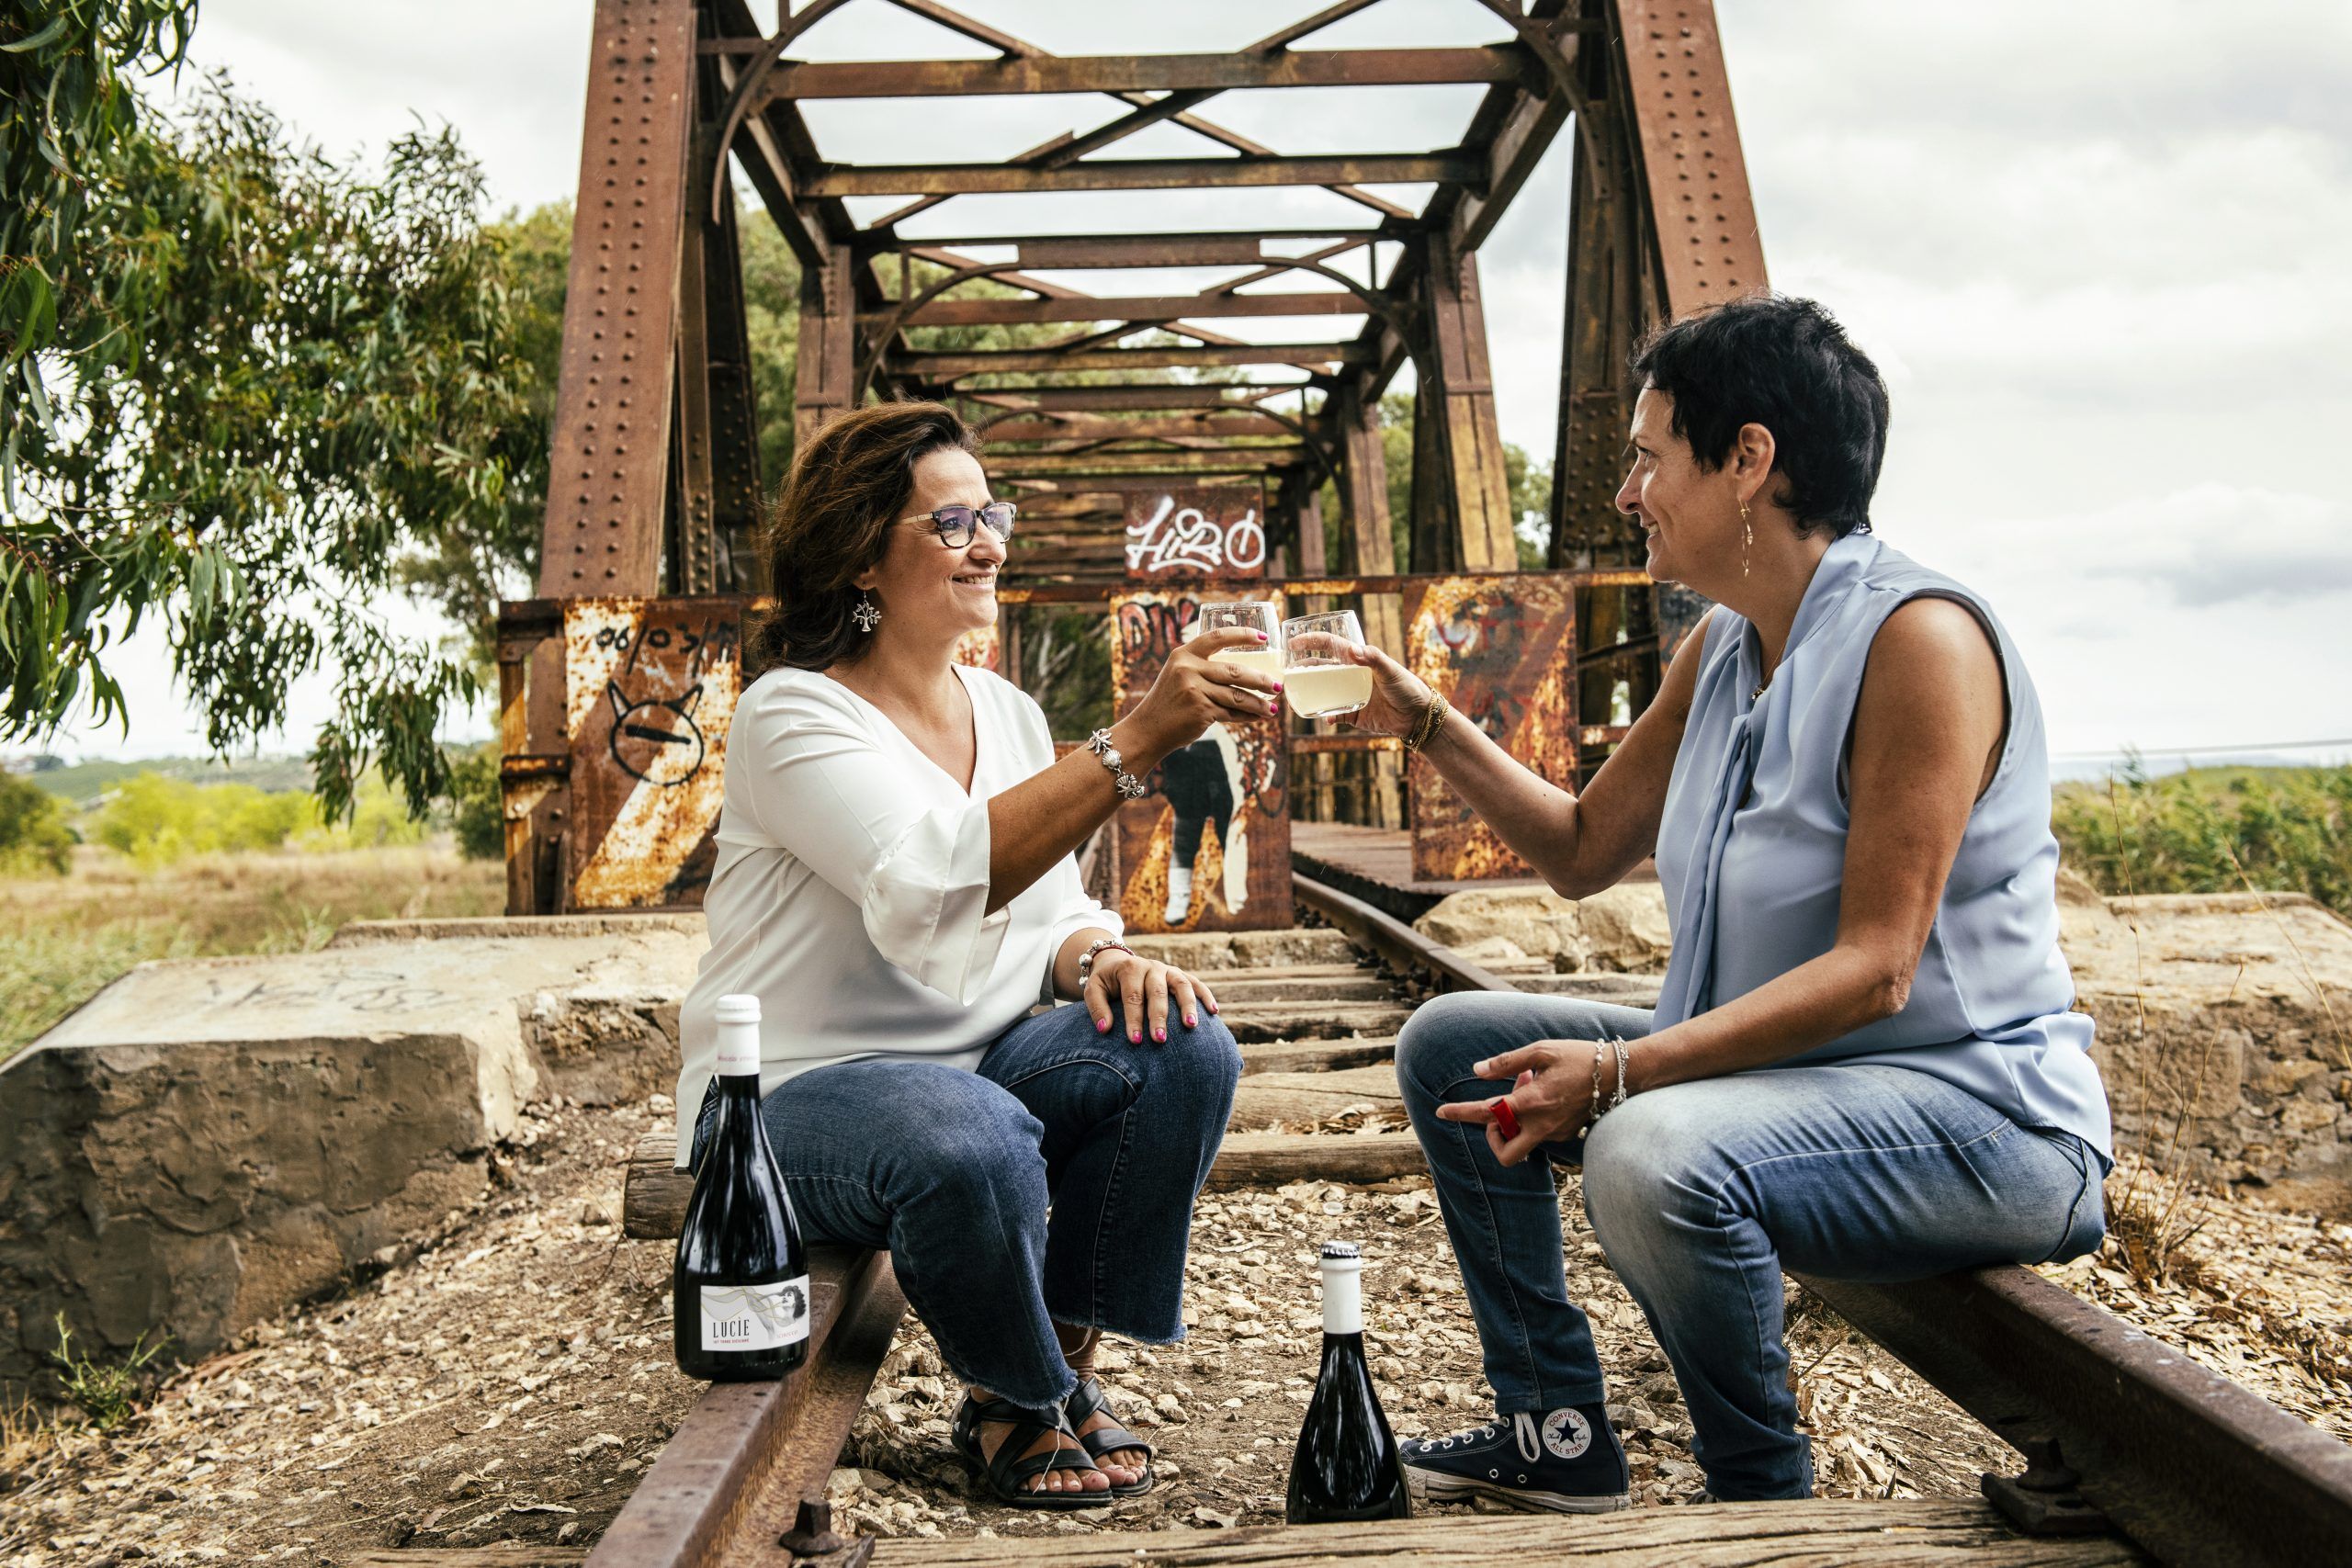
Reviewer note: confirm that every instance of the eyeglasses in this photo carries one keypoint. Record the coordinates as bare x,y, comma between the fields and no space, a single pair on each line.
954,524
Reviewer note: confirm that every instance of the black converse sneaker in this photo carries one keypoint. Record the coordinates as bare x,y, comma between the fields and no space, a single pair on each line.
1567,1461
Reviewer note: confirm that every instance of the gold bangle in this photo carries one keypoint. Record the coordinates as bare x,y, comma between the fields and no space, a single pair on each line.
1431,720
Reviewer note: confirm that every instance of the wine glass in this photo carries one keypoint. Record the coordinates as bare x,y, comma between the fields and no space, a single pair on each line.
1318,678
1250,614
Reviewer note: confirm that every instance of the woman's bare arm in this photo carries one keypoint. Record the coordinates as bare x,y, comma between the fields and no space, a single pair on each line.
1577,843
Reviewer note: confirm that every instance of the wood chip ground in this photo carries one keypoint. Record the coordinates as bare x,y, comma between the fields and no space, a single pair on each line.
509,1383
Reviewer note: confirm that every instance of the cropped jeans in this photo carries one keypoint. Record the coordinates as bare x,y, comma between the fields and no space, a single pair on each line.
1701,1192
1053,1184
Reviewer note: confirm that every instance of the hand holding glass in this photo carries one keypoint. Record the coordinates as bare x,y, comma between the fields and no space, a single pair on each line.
1319,679
1248,614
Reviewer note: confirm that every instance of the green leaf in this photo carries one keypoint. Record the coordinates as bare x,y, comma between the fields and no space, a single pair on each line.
55,29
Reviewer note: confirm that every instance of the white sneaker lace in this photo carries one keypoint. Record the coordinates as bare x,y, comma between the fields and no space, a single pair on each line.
1473,1436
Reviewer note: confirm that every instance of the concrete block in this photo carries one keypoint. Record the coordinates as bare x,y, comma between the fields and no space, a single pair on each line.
210,1140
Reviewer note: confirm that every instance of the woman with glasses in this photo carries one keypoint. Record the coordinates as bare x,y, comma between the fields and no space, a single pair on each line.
894,882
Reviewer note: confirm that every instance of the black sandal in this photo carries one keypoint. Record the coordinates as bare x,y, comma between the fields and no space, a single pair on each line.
1079,1407
1014,1464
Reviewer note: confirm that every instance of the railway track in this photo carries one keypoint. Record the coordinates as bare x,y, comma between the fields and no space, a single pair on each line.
2131,1451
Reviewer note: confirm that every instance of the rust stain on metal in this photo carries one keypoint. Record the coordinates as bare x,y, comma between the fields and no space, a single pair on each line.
1700,202
1501,650
980,649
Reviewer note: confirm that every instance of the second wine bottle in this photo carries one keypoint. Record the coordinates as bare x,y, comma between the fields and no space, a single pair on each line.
1347,1465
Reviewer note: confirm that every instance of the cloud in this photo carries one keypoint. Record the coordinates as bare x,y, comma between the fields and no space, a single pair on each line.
2096,248
2206,547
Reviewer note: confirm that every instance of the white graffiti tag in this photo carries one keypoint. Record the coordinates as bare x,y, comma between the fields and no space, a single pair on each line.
1187,539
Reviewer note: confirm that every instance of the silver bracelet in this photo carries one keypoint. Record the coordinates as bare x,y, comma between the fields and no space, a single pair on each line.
1086,959
1606,1045
1129,787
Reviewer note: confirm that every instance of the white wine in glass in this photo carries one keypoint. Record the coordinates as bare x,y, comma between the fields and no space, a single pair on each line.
1320,681
1252,614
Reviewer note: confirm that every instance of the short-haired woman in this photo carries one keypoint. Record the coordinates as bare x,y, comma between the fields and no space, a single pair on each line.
894,882
1862,1063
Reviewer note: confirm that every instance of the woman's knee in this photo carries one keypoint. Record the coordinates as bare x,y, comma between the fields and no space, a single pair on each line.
1441,1043
1651,1171
1196,1070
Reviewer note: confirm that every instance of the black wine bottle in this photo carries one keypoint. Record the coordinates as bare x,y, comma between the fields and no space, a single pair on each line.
741,1283
1347,1465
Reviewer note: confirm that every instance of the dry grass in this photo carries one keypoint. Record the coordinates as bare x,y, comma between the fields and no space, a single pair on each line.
64,939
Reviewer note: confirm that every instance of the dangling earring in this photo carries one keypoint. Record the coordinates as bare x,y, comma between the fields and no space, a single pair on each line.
1746,537
868,615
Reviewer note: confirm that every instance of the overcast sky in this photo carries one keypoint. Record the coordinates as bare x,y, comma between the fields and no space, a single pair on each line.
2097,248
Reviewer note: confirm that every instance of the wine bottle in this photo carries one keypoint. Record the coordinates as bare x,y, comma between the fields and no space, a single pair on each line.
1347,1465
740,1288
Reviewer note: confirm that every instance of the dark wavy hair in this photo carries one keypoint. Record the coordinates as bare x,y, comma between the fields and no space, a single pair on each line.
848,483
1786,365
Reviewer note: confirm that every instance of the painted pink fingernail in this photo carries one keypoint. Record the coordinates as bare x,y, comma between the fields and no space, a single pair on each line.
1161,1036
1261,636
1102,1026
1134,1036
1190,1021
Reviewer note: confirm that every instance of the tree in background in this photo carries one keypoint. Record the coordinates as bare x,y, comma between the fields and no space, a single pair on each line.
1530,484
267,380
67,112
33,834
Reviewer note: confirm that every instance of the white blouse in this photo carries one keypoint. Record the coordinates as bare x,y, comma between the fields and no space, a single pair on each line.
851,886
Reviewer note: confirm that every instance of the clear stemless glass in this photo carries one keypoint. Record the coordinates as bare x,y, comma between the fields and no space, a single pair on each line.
1250,614
1318,680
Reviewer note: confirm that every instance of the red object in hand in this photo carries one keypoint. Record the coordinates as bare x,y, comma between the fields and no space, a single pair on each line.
1505,1118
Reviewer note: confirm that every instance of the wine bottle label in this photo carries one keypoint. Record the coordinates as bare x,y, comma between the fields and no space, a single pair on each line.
755,1317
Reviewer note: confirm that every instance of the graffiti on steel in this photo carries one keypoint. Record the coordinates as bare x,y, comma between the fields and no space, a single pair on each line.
1213,533
981,649
650,688
1207,847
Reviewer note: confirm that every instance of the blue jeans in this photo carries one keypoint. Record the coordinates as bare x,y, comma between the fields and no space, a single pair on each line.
1700,1192
955,1172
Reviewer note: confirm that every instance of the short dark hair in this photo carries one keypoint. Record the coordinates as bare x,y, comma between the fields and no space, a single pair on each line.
849,481
1786,365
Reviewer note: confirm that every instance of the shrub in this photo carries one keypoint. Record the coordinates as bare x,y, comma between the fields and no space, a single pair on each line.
2219,831
378,820
34,838
475,809
156,820
107,1392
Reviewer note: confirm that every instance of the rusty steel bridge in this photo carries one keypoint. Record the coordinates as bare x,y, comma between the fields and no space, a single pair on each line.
1153,454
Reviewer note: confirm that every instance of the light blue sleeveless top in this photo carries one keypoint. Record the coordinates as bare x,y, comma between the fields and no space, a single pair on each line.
1752,848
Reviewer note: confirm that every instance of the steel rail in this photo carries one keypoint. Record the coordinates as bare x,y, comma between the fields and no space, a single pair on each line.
2189,1466
732,1480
